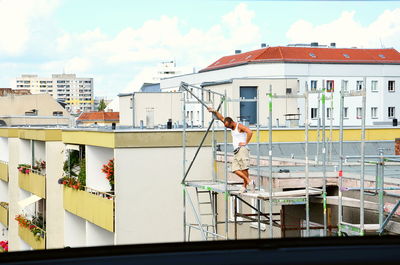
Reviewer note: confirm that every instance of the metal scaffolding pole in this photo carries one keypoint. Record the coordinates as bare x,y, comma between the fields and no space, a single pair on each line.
318,127
258,163
324,159
184,161
226,167
381,184
340,203
271,233
307,162
331,129
363,111
214,165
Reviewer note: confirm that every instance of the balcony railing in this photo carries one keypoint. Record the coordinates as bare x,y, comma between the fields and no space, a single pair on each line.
92,205
4,213
35,241
33,182
4,171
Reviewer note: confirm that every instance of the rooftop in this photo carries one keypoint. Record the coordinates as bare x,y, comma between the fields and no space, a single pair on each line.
99,116
308,55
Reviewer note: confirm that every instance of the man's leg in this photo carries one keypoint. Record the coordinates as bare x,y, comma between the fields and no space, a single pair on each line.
243,176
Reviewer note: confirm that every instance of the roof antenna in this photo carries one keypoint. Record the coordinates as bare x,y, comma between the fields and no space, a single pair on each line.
382,46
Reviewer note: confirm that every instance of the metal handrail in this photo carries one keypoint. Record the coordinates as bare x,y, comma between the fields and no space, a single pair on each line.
99,193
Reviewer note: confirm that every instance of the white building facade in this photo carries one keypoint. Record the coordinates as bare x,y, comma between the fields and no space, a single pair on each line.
76,92
317,68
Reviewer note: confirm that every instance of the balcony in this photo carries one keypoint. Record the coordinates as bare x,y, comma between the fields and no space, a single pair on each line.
33,182
94,206
4,171
35,241
4,213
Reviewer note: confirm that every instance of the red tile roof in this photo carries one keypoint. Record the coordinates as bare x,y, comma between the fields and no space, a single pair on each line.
308,55
99,116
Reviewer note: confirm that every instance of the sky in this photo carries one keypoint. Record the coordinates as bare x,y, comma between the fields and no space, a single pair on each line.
119,43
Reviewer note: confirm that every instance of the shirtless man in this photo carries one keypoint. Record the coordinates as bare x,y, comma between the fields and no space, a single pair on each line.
241,136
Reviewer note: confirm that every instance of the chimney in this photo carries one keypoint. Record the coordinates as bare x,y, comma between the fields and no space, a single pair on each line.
238,51
263,45
314,44
333,44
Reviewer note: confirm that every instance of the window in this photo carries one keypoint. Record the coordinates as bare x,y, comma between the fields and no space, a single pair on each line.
262,209
314,85
330,85
329,113
358,113
374,112
312,55
391,112
359,85
57,113
345,85
232,209
382,56
346,55
391,86
314,113
345,113
374,86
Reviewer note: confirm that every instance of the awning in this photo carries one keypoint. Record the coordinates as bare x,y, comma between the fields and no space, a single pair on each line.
72,147
25,202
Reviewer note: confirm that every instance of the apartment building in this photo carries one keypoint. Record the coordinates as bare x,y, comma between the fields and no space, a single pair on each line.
76,92
156,109
32,110
96,213
85,187
316,67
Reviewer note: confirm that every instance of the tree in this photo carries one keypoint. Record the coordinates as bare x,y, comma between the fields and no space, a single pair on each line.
102,105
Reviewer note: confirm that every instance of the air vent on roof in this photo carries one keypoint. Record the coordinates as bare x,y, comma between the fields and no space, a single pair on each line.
249,56
333,45
312,55
346,55
238,51
263,45
314,44
382,56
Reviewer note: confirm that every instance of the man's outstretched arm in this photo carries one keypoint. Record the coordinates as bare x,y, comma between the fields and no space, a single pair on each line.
219,115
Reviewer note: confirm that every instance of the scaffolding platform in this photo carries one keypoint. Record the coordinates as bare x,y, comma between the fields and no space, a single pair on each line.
291,197
216,186
355,229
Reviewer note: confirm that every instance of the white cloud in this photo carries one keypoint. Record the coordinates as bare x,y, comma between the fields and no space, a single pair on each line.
346,31
128,58
158,39
16,22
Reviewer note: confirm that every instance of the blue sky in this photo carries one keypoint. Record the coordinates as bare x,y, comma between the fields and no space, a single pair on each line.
120,42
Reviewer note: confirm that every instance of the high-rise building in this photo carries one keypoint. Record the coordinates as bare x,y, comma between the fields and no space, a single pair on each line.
76,92
166,69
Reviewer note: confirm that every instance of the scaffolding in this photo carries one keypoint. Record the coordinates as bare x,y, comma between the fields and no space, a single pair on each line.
266,216
361,229
212,188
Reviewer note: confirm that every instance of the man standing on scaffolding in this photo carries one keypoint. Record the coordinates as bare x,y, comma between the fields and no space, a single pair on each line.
241,136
